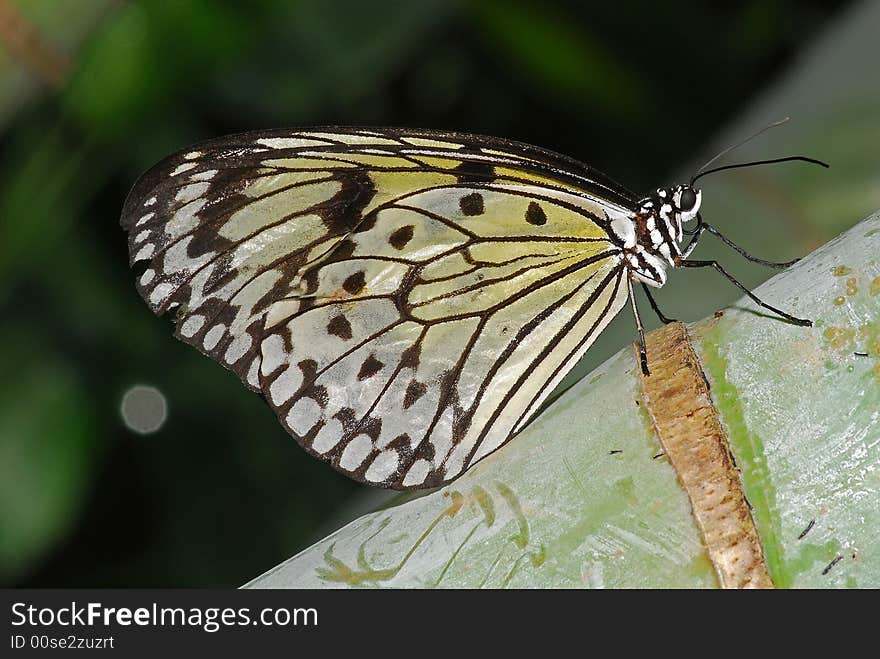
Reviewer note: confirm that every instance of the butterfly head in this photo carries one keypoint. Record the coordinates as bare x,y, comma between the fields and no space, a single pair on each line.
662,217
674,207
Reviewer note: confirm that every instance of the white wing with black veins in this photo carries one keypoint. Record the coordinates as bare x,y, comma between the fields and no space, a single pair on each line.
405,300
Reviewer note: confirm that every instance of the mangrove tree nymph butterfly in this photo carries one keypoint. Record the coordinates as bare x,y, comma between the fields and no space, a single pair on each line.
403,299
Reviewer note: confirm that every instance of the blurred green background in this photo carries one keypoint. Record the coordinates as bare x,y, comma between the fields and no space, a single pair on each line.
92,92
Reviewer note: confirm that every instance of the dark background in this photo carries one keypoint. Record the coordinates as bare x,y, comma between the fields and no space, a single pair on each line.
93,92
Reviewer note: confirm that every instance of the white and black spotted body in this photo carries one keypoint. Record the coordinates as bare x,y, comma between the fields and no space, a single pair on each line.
405,300
652,236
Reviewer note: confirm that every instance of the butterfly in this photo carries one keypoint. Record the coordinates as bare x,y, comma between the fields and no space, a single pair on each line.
404,300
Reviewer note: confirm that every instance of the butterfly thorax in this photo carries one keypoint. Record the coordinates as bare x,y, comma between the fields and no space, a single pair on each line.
652,236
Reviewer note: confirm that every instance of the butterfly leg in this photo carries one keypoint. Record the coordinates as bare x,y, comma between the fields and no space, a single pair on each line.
703,226
694,239
688,263
653,303
643,352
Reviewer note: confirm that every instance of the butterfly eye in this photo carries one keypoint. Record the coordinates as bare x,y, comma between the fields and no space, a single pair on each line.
688,200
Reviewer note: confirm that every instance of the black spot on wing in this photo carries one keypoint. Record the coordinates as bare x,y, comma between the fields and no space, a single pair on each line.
535,214
472,204
414,391
409,358
369,368
399,238
339,326
355,283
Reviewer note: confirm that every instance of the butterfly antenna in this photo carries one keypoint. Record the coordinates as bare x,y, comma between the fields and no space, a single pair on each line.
760,162
723,153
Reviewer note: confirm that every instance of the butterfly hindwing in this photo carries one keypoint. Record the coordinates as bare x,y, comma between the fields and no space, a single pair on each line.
404,300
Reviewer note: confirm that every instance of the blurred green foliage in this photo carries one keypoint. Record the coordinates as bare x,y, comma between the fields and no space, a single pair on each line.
221,493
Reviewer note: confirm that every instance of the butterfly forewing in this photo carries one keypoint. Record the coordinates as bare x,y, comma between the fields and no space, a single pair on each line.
404,300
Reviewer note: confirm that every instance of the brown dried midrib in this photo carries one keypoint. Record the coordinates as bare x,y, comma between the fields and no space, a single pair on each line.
686,422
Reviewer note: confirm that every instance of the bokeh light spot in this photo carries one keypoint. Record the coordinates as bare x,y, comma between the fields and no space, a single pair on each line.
144,409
